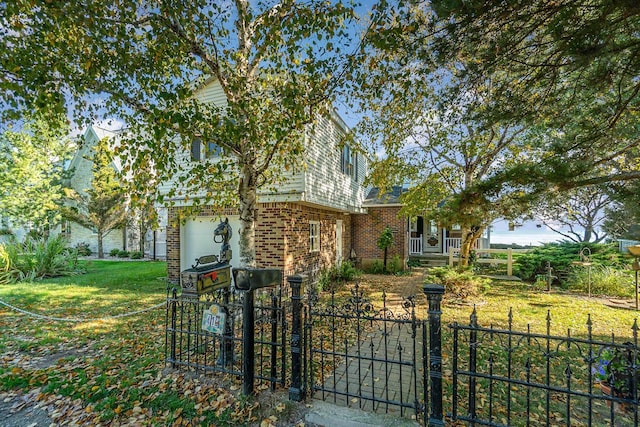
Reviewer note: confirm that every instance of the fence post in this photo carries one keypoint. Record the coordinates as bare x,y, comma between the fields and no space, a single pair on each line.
296,391
434,296
473,353
248,344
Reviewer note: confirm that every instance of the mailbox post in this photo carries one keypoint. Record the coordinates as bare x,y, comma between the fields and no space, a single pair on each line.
248,280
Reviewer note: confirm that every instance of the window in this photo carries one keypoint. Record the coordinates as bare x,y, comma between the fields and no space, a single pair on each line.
455,227
210,151
349,162
314,236
65,228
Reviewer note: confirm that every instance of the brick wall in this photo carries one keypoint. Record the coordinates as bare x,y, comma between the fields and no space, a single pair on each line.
174,217
282,238
368,228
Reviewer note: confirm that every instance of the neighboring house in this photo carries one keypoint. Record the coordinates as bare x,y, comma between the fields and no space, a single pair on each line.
80,180
412,237
9,230
304,226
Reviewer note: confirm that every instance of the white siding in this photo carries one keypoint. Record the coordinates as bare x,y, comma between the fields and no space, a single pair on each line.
325,184
318,179
212,93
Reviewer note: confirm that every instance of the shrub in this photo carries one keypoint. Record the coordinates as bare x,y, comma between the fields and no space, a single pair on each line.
377,267
123,254
36,258
394,266
136,255
458,285
334,277
83,249
604,281
561,255
413,262
114,252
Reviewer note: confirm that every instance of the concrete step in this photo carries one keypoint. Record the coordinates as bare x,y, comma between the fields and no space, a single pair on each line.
328,415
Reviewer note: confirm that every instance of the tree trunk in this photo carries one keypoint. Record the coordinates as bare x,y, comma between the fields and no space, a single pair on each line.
470,236
100,250
384,268
247,192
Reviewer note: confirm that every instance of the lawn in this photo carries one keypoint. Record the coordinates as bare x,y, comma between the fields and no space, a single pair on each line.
109,370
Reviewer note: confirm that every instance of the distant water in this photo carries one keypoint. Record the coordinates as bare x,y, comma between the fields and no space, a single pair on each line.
527,234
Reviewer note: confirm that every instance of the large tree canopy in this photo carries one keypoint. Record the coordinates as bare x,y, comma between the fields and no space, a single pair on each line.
562,74
31,169
567,66
142,61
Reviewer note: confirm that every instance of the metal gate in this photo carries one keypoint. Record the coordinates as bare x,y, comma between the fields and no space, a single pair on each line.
366,356
190,345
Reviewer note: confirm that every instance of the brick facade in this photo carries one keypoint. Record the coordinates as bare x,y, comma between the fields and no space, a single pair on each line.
368,228
282,238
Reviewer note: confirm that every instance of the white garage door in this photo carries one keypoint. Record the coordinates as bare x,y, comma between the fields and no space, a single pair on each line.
196,240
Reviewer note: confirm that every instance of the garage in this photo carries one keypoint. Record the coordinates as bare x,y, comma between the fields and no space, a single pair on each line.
196,237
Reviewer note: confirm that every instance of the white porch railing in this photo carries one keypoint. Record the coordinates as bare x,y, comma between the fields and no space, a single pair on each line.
415,245
454,243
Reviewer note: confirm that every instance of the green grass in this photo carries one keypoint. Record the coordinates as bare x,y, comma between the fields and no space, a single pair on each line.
111,370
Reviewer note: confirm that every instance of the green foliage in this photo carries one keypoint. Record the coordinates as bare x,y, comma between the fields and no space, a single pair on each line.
136,255
386,239
459,285
334,278
123,254
36,259
377,267
103,207
561,256
83,249
114,252
614,368
277,63
31,168
413,262
395,265
605,280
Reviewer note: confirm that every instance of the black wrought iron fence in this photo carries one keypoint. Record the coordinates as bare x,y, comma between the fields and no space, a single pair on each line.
505,377
194,341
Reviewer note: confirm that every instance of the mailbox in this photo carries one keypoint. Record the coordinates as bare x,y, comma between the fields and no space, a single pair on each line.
206,276
249,279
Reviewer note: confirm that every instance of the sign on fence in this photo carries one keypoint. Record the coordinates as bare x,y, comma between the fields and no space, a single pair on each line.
213,319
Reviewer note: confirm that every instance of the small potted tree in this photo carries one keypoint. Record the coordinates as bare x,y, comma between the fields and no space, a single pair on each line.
617,373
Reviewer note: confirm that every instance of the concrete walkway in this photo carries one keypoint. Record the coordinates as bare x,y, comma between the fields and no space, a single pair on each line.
381,374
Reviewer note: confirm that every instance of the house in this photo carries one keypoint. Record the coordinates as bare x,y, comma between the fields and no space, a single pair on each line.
304,226
413,237
80,180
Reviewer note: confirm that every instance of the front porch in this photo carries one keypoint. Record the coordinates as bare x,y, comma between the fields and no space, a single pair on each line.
416,245
425,237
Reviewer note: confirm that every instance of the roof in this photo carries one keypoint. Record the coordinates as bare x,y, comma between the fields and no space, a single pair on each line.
391,197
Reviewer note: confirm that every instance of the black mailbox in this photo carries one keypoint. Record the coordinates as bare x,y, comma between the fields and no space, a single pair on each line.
249,279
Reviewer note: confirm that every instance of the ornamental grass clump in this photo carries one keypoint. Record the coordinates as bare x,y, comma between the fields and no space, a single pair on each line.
603,280
35,259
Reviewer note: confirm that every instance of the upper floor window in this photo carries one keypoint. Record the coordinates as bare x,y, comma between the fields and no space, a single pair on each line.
201,151
314,236
349,162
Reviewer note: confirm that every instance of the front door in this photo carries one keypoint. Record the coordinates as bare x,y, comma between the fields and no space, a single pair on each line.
431,237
